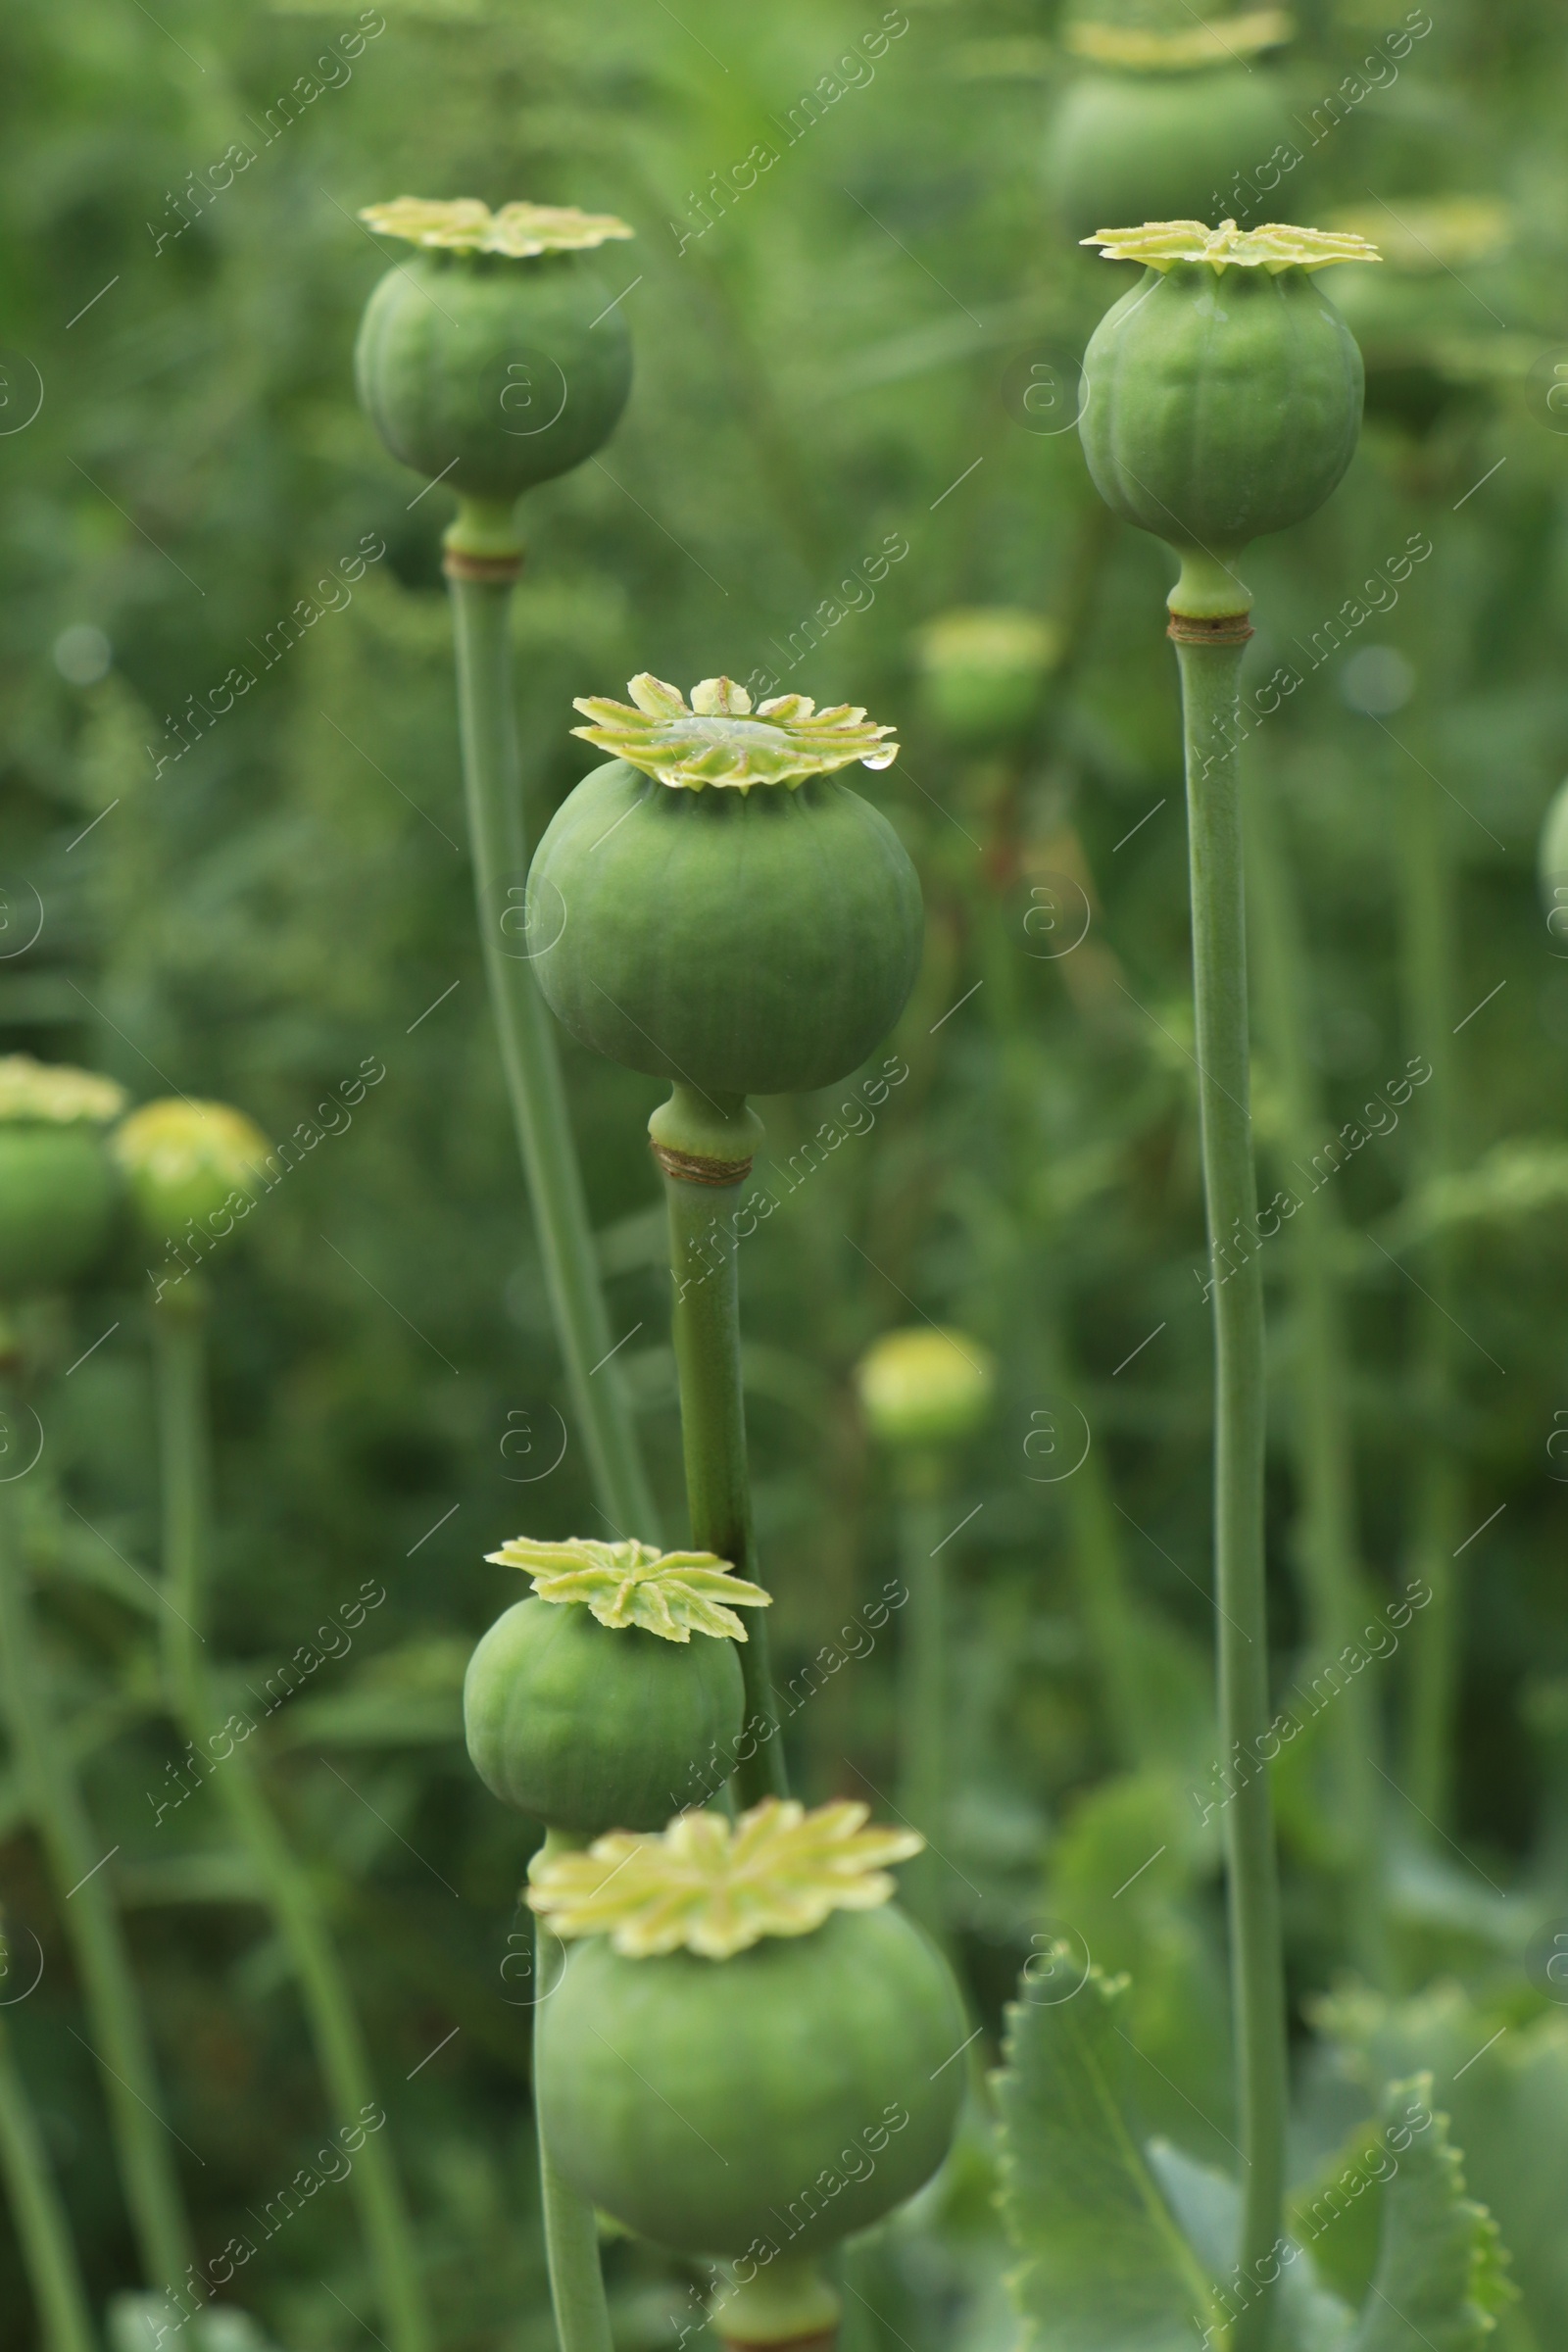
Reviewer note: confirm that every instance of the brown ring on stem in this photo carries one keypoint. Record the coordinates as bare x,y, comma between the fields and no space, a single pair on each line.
1223,628
825,2341
498,571
691,1167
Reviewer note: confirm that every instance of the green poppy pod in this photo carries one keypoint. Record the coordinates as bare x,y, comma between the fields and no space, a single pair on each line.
1180,146
714,908
496,358
983,673
183,1163
590,1706
1416,318
734,2064
58,1190
1222,393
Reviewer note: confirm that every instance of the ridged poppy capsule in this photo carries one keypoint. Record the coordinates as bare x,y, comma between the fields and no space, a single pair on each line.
591,1706
496,358
58,1189
714,908
1222,393
752,2052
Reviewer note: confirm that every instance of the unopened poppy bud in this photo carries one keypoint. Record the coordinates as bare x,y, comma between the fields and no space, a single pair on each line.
184,1162
925,1386
57,1185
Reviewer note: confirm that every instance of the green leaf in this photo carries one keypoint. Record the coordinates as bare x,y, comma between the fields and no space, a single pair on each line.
1440,2281
1504,2081
1104,2266
1208,2206
1130,1875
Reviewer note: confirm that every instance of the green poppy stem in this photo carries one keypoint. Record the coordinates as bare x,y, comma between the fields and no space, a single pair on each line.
1118,1643
572,2232
1210,674
142,2141
186,1460
1430,959
493,785
49,2258
1327,1544
704,1149
922,1779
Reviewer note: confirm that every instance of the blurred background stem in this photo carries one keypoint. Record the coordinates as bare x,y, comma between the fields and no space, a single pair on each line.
1210,675
1429,955
64,2322
122,2047
498,840
923,1492
1326,1542
196,1700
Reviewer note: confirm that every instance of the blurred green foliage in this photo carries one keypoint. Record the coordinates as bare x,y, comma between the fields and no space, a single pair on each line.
842,362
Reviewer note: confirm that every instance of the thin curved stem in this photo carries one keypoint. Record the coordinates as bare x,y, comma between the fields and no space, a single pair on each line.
493,785
1210,681
142,2139
1328,1547
42,2230
186,1457
706,1328
571,2233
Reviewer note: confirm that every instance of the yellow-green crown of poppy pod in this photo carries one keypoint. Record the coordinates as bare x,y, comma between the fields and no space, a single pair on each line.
716,1888
717,738
672,1594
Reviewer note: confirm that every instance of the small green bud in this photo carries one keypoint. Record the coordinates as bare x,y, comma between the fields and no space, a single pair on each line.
57,1185
184,1162
1223,393
496,358
714,908
984,672
923,1387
